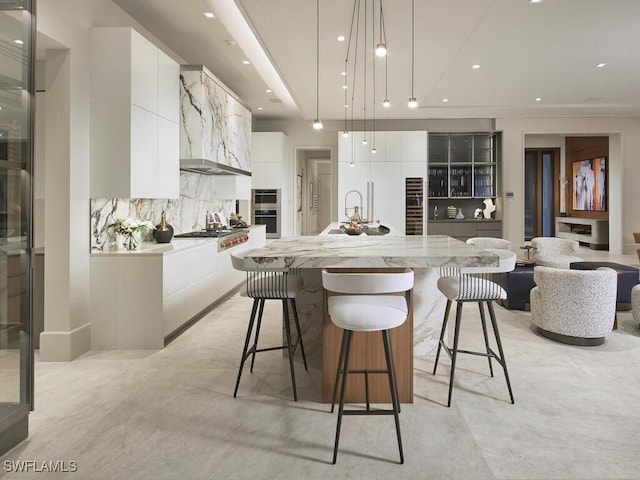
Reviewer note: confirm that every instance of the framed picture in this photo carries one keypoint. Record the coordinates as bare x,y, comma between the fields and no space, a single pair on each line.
590,184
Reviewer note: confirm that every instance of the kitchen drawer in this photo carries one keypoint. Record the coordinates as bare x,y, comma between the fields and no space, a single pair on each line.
201,294
174,312
439,229
463,230
490,229
173,274
201,262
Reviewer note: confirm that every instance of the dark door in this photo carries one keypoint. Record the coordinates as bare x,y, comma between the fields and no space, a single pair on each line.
541,191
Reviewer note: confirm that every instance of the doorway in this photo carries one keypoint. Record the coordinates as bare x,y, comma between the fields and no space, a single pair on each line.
315,186
541,191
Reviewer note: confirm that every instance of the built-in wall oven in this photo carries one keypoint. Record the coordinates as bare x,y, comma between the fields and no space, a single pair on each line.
265,210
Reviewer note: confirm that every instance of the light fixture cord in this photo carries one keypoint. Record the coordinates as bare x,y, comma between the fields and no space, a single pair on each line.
383,33
355,66
373,68
346,69
317,59
413,41
364,71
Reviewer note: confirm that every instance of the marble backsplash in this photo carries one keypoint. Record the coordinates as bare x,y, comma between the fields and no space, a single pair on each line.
185,214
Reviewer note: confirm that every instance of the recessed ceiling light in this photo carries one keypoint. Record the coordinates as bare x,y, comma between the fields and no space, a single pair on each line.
445,100
260,108
268,90
19,42
475,66
600,65
346,105
246,62
538,99
343,73
535,1
341,38
230,43
344,87
209,14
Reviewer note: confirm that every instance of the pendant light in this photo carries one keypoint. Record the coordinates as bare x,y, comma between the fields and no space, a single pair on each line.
317,124
413,103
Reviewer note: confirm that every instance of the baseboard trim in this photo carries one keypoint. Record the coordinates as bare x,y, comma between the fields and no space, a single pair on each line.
65,346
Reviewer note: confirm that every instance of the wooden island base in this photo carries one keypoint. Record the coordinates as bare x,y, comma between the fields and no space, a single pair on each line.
367,352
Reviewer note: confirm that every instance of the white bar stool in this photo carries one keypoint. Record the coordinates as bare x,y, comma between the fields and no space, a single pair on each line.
366,305
270,284
474,284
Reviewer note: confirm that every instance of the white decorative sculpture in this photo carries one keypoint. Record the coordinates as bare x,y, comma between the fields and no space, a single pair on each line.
489,207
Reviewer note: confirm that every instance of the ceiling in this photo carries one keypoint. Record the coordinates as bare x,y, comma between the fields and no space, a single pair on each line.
525,50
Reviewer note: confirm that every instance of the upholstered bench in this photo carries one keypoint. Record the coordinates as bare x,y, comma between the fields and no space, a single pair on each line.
628,277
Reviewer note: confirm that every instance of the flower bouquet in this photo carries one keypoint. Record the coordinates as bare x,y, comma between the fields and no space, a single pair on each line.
130,229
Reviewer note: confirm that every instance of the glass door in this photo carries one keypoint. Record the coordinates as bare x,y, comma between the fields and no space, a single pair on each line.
17,33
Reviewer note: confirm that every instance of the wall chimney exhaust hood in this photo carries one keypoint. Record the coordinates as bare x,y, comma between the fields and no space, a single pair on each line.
215,127
209,167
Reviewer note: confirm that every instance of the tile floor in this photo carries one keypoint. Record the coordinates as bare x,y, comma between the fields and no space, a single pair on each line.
170,414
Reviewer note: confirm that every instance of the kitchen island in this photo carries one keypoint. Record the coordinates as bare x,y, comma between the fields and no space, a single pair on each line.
424,254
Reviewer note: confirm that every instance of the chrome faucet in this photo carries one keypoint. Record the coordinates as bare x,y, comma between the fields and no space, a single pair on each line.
345,202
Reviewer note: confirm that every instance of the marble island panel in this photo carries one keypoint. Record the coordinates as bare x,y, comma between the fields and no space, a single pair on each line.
378,251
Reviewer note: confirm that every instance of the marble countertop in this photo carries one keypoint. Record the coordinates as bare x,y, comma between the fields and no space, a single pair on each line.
367,251
152,248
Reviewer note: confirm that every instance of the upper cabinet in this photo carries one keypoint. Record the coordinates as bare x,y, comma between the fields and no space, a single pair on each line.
463,165
134,117
214,126
267,160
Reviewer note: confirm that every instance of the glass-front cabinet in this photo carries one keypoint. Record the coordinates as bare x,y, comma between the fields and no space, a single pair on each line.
462,165
17,34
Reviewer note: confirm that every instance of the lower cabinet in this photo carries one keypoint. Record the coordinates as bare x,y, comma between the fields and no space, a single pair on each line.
137,300
463,230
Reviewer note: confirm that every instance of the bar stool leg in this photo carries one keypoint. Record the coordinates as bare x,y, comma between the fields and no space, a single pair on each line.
339,368
255,340
287,326
454,352
492,314
294,308
345,373
442,332
246,344
486,338
393,387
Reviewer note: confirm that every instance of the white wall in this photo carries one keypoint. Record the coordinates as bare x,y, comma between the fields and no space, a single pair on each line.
66,162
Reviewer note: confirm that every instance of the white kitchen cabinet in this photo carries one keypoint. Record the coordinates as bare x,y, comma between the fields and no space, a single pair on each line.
233,187
174,297
168,89
134,151
202,277
267,160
